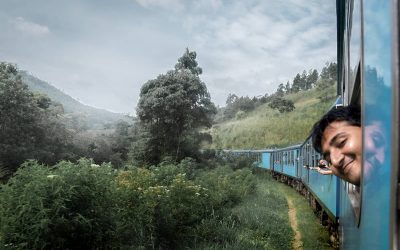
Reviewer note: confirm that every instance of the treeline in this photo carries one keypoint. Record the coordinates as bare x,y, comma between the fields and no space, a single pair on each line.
236,106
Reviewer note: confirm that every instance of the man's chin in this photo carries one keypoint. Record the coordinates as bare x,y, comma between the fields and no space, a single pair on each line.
352,173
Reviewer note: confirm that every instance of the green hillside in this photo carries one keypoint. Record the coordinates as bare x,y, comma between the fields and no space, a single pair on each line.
267,128
87,116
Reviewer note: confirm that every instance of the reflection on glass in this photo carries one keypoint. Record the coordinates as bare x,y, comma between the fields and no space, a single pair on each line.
375,148
378,107
355,40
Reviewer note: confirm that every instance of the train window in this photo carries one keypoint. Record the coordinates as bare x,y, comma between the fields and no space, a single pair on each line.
354,37
291,158
292,155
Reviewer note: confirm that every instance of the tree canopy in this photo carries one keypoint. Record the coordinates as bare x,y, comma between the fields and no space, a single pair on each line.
172,108
29,124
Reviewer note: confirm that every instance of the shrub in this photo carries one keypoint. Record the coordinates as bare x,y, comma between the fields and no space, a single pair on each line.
240,115
136,204
87,206
227,187
282,105
67,207
161,207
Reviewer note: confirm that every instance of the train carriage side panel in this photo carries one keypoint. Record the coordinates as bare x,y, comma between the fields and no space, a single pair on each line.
325,188
288,163
304,162
265,160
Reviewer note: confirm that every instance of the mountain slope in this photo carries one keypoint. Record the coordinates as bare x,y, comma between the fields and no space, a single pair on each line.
94,118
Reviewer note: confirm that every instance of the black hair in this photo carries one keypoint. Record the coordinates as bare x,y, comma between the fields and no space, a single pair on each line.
350,114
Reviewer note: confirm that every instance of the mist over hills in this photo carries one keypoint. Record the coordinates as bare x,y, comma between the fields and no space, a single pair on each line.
87,116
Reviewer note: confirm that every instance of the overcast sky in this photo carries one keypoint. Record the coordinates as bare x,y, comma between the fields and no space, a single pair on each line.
101,52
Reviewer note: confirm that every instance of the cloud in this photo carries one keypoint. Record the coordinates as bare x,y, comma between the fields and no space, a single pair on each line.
252,47
29,27
175,5
207,4
102,49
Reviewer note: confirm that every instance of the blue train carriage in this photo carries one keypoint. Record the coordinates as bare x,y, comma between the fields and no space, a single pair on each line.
256,156
368,75
265,159
285,161
324,188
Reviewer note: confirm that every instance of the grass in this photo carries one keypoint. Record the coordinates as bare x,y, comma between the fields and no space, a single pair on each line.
267,128
261,221
313,234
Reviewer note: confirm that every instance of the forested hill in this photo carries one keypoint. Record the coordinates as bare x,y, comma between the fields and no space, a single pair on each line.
90,117
278,120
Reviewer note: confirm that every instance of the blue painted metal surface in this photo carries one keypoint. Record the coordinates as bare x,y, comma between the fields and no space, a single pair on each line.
288,166
265,160
325,188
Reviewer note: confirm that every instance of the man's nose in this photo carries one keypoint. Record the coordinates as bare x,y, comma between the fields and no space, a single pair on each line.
336,157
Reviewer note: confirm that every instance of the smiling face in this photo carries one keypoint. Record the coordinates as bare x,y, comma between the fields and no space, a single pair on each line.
342,148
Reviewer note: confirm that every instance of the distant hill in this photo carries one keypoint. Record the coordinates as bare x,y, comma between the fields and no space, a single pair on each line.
267,128
87,116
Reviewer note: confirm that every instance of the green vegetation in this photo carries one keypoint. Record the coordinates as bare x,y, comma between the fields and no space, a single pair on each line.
169,206
171,110
87,206
29,126
155,188
313,234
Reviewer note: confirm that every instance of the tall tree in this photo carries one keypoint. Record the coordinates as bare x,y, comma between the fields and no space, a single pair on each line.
280,90
188,61
172,108
329,71
287,88
296,86
303,80
29,124
311,78
232,98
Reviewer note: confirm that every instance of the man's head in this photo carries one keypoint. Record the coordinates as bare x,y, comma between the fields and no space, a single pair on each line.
337,136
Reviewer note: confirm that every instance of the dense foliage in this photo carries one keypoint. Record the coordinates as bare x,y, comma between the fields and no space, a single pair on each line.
86,206
171,109
282,105
30,127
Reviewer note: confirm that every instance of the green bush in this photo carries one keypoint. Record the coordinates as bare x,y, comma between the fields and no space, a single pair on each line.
161,207
226,186
86,206
67,207
136,203
240,115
